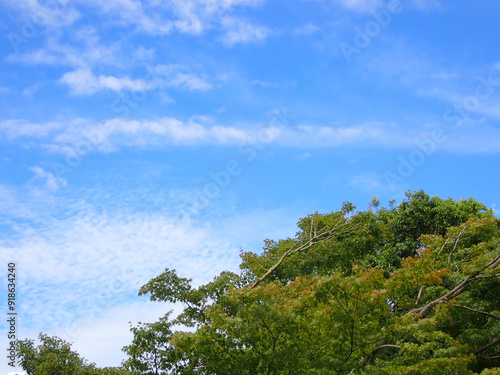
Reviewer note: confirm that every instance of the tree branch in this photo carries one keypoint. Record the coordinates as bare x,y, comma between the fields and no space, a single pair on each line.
495,341
419,297
368,360
459,289
456,244
479,312
298,247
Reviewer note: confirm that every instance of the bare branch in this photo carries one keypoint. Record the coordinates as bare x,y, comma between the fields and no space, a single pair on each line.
495,262
459,289
419,297
298,247
456,244
445,243
488,277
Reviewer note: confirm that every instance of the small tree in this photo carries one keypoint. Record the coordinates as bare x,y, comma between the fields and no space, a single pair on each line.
150,352
52,357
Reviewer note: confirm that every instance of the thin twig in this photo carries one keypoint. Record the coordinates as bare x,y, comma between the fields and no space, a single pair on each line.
479,312
456,244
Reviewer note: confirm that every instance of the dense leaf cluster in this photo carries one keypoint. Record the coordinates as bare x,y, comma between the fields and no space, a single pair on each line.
53,356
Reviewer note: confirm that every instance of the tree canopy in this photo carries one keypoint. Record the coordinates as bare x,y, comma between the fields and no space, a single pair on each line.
408,289
54,356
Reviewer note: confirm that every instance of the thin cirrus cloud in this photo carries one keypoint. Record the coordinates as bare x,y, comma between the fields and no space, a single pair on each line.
114,134
366,6
198,130
360,6
150,17
241,32
48,179
84,50
85,82
96,261
45,14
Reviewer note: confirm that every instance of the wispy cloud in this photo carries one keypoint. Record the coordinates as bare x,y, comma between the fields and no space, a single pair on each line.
114,134
361,6
175,75
239,31
267,84
375,134
13,129
366,6
48,14
427,5
367,181
83,49
151,17
48,180
84,82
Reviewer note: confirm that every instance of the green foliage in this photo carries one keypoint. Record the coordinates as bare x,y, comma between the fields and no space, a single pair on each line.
150,352
53,356
412,289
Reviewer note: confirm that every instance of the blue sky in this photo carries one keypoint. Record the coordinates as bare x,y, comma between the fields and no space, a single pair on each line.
140,135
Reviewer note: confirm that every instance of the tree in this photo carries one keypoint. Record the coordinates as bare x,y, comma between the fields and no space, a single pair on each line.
53,356
412,289
150,352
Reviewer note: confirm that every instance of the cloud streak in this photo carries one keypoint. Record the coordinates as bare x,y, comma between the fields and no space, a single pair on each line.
114,134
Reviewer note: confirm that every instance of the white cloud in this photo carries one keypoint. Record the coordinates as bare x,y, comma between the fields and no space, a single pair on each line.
84,82
101,339
361,6
41,15
366,6
375,134
66,137
152,17
175,75
239,31
22,128
277,85
50,181
82,136
367,181
427,5
84,50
